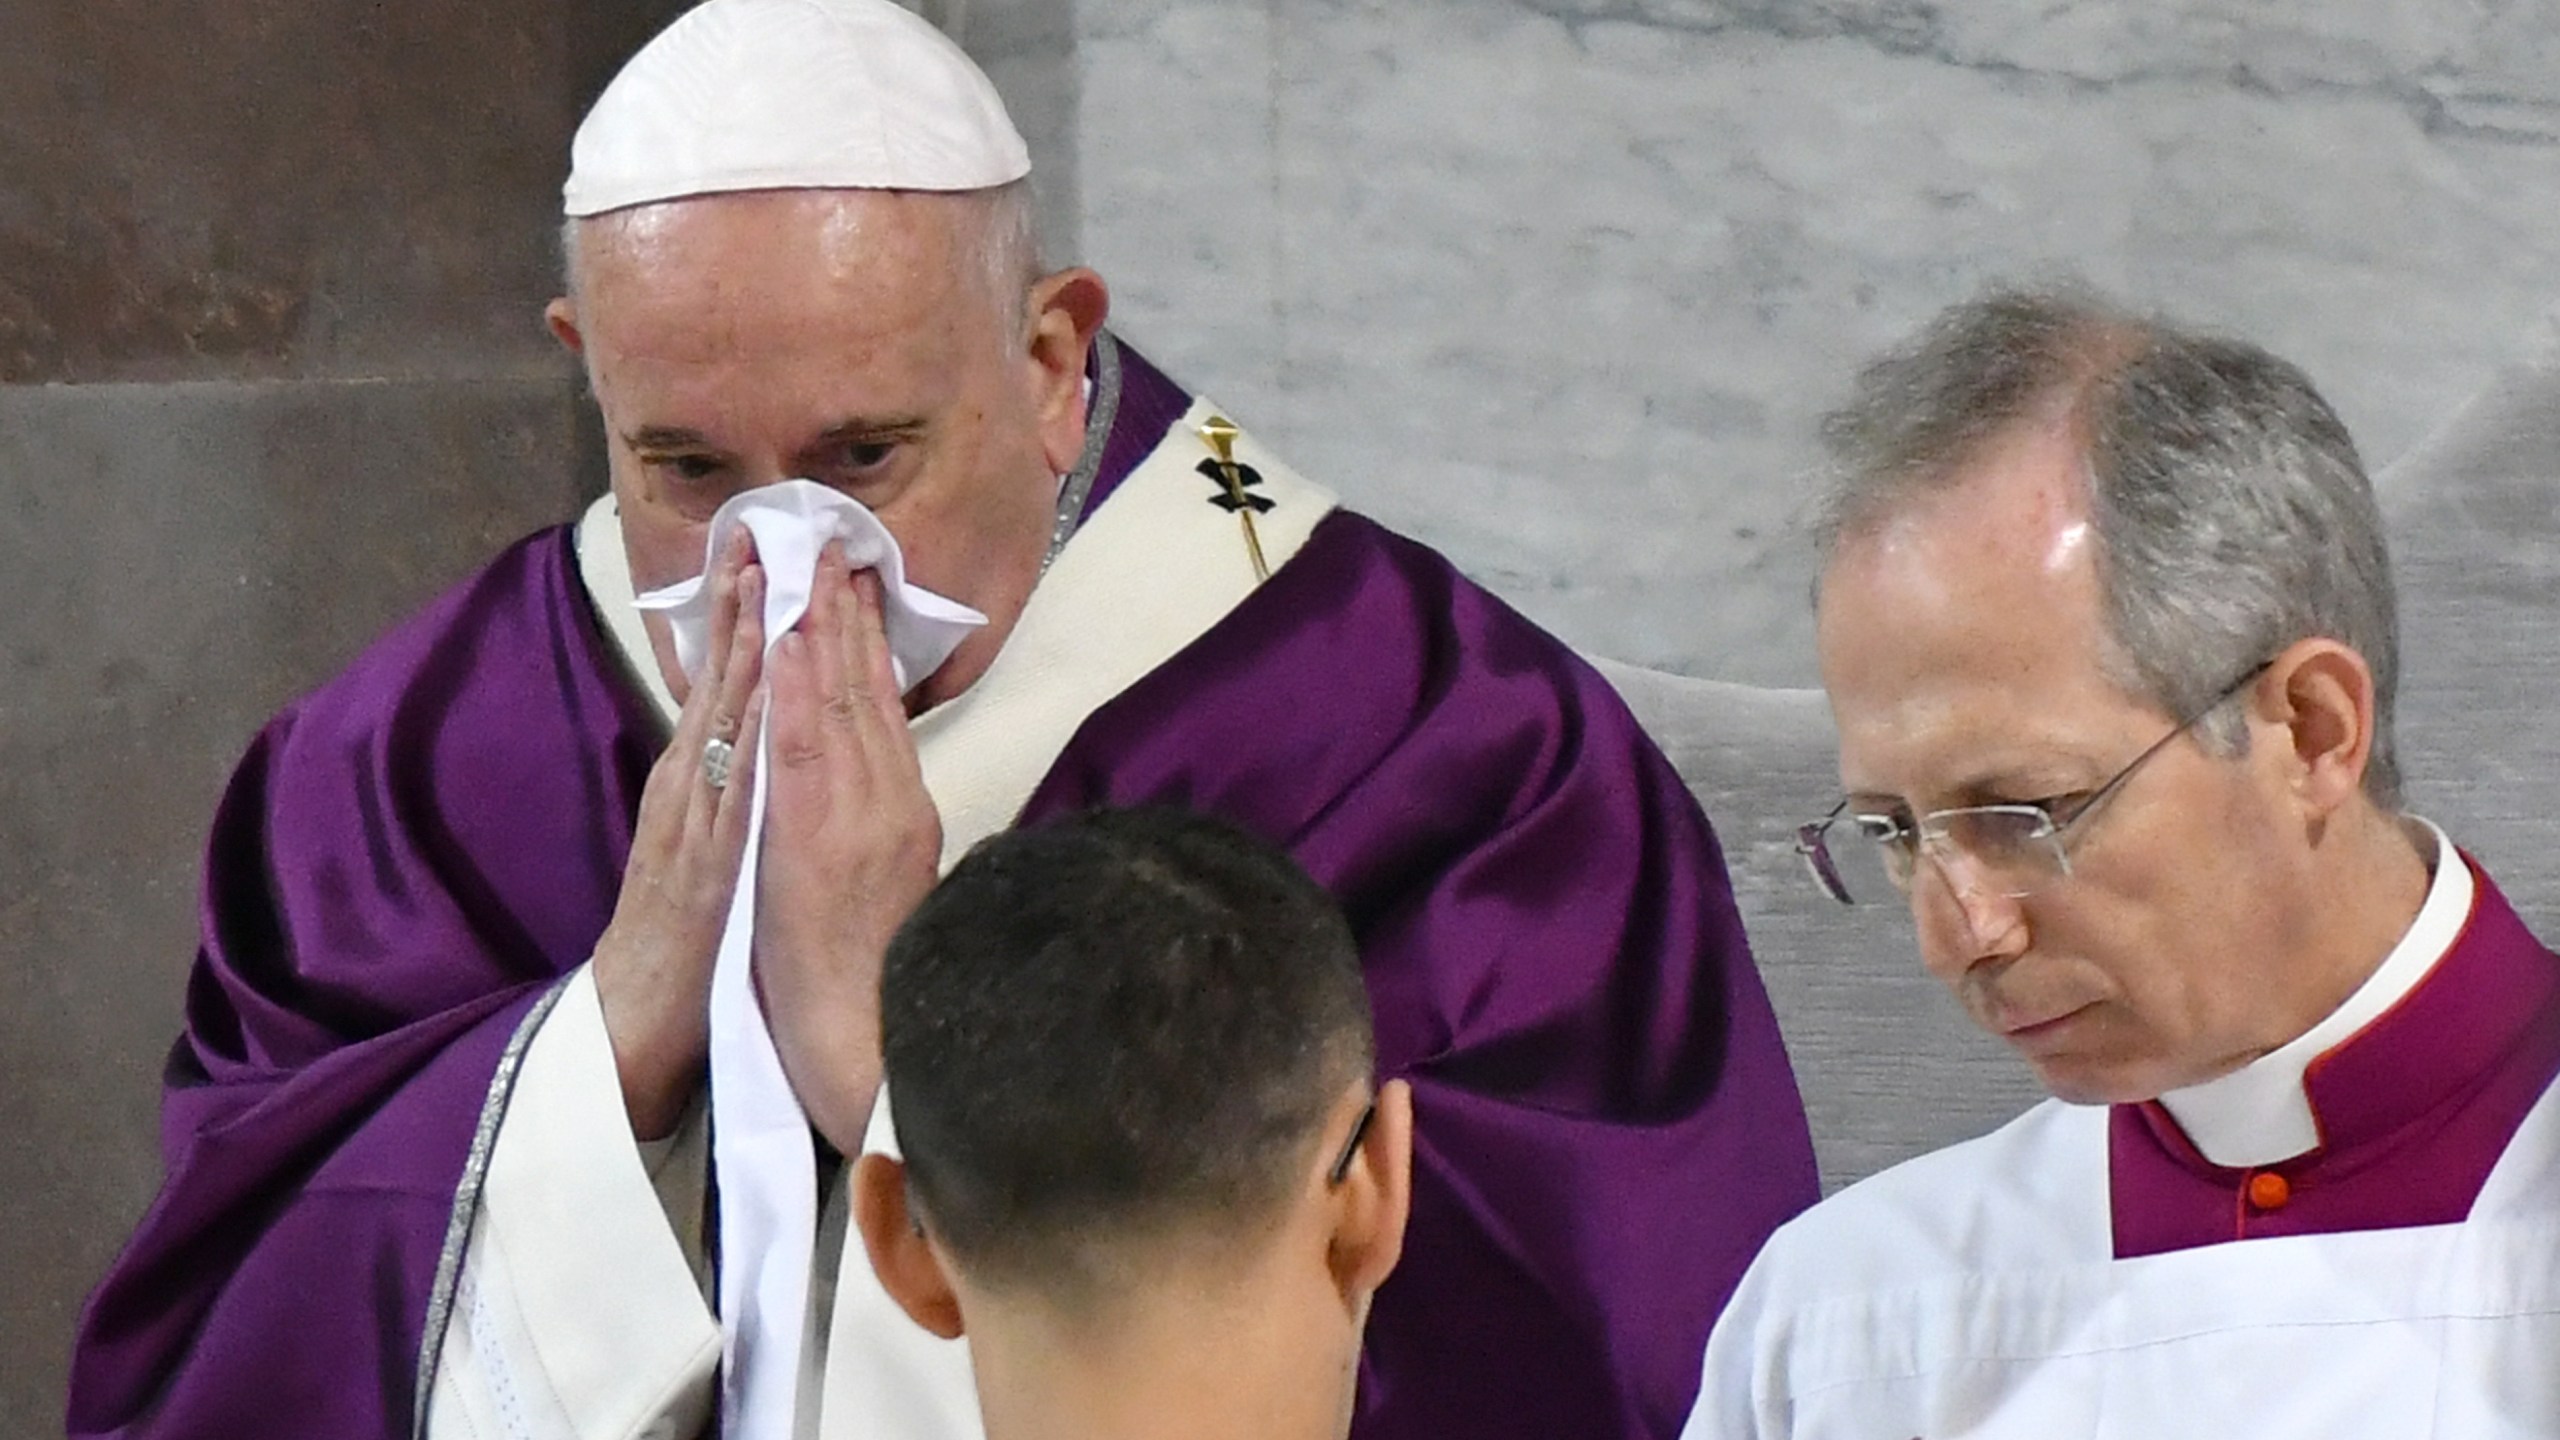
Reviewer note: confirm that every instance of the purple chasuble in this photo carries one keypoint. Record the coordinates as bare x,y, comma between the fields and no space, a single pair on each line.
408,860
2413,1111
404,864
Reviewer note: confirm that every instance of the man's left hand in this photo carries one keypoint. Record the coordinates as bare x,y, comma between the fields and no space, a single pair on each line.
852,843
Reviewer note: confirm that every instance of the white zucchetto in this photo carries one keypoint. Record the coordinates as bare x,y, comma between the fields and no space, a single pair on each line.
792,95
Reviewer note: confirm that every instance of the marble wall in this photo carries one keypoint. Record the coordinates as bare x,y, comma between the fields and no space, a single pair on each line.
1563,285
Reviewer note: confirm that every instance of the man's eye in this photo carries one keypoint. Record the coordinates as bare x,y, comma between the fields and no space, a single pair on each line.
1882,829
866,454
2061,807
693,468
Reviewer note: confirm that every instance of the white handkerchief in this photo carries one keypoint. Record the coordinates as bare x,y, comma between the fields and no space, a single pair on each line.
760,1147
791,522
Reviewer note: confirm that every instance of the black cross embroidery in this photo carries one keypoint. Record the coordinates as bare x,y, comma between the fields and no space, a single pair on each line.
1246,477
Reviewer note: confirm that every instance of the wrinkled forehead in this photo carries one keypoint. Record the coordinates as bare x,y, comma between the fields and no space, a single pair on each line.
794,247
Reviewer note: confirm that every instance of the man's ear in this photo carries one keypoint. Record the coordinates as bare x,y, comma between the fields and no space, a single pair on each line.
562,317
900,1254
1374,1198
1066,311
2321,693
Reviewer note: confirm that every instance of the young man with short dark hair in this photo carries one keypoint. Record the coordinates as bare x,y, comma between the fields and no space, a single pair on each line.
1146,1169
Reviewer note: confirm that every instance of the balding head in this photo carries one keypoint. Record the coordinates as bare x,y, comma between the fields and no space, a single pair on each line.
2106,633
2230,511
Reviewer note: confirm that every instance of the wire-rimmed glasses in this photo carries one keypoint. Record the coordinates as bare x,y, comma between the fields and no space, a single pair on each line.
2011,850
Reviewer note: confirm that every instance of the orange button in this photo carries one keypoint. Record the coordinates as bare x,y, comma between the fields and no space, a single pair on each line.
2269,1191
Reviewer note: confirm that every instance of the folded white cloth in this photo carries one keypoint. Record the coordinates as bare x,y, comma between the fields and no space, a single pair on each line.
760,1147
791,522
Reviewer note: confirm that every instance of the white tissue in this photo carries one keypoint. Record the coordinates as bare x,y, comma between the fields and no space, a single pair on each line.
760,1143
792,522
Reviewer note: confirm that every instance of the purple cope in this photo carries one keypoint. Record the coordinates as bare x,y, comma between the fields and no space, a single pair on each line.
411,857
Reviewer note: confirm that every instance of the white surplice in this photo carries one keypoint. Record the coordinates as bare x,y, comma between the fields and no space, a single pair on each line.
1910,1312
1976,1292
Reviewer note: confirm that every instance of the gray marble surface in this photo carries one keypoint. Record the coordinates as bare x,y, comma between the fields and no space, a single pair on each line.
1562,286
1028,48
1888,1065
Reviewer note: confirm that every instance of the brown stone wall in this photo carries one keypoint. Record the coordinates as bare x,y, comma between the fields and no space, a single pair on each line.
271,372
280,187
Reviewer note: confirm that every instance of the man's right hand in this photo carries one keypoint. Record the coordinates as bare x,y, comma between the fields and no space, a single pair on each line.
653,963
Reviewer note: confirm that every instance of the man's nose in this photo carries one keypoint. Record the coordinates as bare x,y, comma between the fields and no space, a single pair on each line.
1963,919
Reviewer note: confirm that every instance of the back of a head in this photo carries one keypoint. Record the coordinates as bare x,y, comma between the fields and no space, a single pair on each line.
2232,514
1125,1028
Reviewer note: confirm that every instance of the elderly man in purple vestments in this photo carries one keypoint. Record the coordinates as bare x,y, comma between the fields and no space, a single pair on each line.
2109,632
440,1158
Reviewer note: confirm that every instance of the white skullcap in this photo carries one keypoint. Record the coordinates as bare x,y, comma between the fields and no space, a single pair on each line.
792,95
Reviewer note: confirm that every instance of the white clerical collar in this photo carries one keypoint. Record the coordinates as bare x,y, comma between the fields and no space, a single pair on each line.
2260,1114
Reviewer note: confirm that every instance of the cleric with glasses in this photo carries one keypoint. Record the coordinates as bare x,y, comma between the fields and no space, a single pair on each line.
2108,631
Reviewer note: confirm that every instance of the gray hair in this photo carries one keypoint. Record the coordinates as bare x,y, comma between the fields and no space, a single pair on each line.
1006,236
1002,231
2231,512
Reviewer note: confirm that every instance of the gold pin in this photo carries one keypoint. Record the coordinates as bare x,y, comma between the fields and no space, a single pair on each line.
1219,433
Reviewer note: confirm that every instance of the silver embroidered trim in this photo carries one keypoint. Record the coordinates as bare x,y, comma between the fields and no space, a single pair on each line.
1097,434
466,1201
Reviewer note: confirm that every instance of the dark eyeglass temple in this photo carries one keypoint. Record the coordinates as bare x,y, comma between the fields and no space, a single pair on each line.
1815,850
1341,1170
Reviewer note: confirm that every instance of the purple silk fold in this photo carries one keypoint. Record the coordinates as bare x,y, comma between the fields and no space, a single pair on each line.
411,856
1606,1128
404,862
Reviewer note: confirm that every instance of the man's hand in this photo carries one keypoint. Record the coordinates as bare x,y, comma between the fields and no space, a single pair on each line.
852,843
653,964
